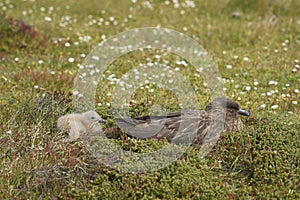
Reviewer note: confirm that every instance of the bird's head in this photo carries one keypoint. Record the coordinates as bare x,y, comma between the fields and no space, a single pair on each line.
225,106
92,117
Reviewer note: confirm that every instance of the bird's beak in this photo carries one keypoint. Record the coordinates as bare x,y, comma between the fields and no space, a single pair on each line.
101,120
243,112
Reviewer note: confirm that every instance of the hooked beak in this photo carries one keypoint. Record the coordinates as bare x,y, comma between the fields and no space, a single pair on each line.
101,120
243,112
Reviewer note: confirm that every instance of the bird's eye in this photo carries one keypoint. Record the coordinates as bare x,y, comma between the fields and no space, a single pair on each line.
93,117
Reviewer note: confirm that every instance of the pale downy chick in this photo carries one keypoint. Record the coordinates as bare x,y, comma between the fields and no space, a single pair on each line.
78,124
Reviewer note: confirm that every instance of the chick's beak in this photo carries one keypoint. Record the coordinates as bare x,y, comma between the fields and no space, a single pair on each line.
101,120
243,112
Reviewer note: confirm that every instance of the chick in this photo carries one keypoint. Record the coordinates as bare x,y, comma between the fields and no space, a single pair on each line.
78,124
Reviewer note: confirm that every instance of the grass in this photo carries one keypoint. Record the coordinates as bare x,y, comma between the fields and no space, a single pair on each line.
258,55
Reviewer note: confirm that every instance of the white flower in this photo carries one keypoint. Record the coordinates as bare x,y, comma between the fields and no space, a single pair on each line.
274,107
255,83
48,19
263,105
229,66
294,102
245,58
296,91
248,88
71,60
273,83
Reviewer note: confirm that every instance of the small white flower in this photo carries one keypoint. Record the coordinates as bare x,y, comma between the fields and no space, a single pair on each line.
274,107
109,94
95,58
107,104
75,92
294,102
263,105
269,93
17,59
36,86
235,57
229,66
71,60
67,44
255,83
40,61
245,58
273,83
52,72
48,19
248,88
296,91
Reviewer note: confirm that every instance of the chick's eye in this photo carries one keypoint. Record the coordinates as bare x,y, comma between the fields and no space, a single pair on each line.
93,117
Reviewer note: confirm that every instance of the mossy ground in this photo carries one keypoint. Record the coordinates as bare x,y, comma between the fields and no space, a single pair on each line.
256,45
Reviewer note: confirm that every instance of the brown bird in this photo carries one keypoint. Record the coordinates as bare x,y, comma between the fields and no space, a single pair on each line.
187,126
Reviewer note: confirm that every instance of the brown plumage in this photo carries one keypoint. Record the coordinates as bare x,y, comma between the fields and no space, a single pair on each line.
187,126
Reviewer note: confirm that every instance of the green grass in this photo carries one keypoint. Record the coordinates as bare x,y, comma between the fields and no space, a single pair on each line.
260,162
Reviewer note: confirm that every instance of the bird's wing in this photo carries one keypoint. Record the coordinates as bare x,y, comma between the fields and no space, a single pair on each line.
139,128
189,127
177,126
